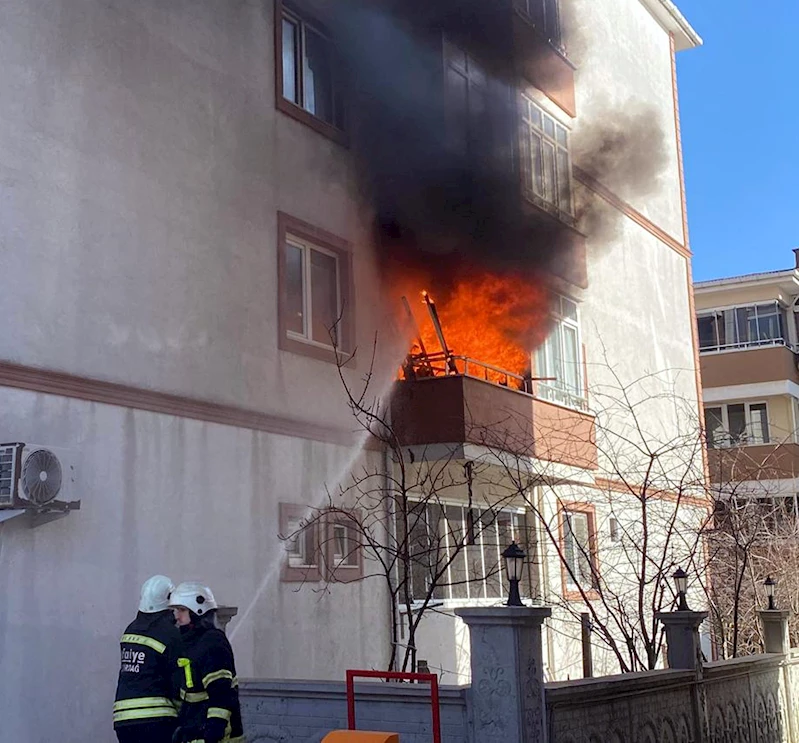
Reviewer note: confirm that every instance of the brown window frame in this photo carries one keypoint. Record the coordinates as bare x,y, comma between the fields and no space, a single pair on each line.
342,249
282,103
570,594
299,574
341,573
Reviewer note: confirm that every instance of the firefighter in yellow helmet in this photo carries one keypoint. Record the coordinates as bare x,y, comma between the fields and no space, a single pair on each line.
146,704
210,712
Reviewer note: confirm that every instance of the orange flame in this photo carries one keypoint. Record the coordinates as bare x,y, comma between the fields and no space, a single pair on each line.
492,318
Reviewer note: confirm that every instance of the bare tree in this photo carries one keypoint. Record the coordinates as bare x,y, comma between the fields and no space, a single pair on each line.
755,534
395,513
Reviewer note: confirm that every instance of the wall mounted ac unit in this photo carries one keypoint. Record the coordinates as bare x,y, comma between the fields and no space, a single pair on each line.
37,478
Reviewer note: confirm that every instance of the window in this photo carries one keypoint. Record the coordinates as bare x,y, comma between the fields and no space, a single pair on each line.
579,550
343,546
319,544
544,15
546,165
742,327
308,83
559,359
466,105
299,530
737,424
314,311
312,285
458,551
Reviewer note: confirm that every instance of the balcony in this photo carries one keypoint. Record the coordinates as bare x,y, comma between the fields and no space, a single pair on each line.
461,409
766,363
764,462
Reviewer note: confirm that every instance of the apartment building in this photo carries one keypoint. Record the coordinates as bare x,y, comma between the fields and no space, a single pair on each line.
747,343
183,223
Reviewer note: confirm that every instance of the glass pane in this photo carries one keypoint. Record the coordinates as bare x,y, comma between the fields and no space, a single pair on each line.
582,544
550,179
494,537
758,424
736,418
769,326
535,115
537,163
457,552
290,87
569,552
552,23
706,325
564,181
714,427
745,325
549,126
318,76
324,296
568,309
457,103
571,360
295,304
562,135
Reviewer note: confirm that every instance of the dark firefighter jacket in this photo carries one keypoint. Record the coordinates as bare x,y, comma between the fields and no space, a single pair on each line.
149,675
210,712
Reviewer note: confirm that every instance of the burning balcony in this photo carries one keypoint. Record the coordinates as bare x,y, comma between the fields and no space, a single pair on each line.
448,398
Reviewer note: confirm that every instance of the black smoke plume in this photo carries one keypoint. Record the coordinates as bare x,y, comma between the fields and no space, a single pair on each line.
439,204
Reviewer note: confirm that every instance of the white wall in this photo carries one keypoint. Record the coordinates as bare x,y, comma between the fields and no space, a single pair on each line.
143,163
160,494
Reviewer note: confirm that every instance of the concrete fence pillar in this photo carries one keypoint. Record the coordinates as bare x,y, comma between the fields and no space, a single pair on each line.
682,638
224,614
775,630
507,692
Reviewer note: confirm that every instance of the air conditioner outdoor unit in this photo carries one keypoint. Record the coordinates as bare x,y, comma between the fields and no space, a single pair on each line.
37,478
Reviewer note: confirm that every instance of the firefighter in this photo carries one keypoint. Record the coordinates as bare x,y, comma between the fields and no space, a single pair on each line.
210,712
146,705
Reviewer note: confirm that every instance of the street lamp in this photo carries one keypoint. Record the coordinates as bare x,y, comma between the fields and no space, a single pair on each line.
681,584
770,583
514,563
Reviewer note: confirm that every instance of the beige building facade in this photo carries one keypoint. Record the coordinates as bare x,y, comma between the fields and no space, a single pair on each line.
181,224
748,336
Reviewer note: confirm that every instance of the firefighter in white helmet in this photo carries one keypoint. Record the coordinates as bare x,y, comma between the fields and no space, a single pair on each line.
146,704
210,712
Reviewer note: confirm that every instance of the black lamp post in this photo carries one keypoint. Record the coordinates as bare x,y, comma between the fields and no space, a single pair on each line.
514,563
681,584
770,583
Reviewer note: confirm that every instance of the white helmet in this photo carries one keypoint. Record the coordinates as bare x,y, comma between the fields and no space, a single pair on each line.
155,594
195,596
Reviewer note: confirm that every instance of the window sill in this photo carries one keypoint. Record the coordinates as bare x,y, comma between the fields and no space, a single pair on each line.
311,574
313,350
550,209
304,117
590,595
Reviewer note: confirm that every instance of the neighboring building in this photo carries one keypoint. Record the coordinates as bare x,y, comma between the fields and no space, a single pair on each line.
748,343
180,227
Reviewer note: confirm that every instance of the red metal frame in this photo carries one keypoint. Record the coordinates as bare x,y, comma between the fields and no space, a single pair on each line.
431,678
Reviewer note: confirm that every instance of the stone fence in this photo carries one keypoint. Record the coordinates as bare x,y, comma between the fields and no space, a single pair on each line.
745,700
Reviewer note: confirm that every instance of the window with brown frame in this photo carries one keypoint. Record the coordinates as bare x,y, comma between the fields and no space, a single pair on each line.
300,533
314,298
308,84
578,545
343,553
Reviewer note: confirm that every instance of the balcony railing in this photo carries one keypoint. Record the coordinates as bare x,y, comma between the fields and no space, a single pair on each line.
744,345
549,389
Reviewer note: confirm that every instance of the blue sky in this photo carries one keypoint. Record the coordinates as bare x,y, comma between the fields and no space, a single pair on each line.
739,100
